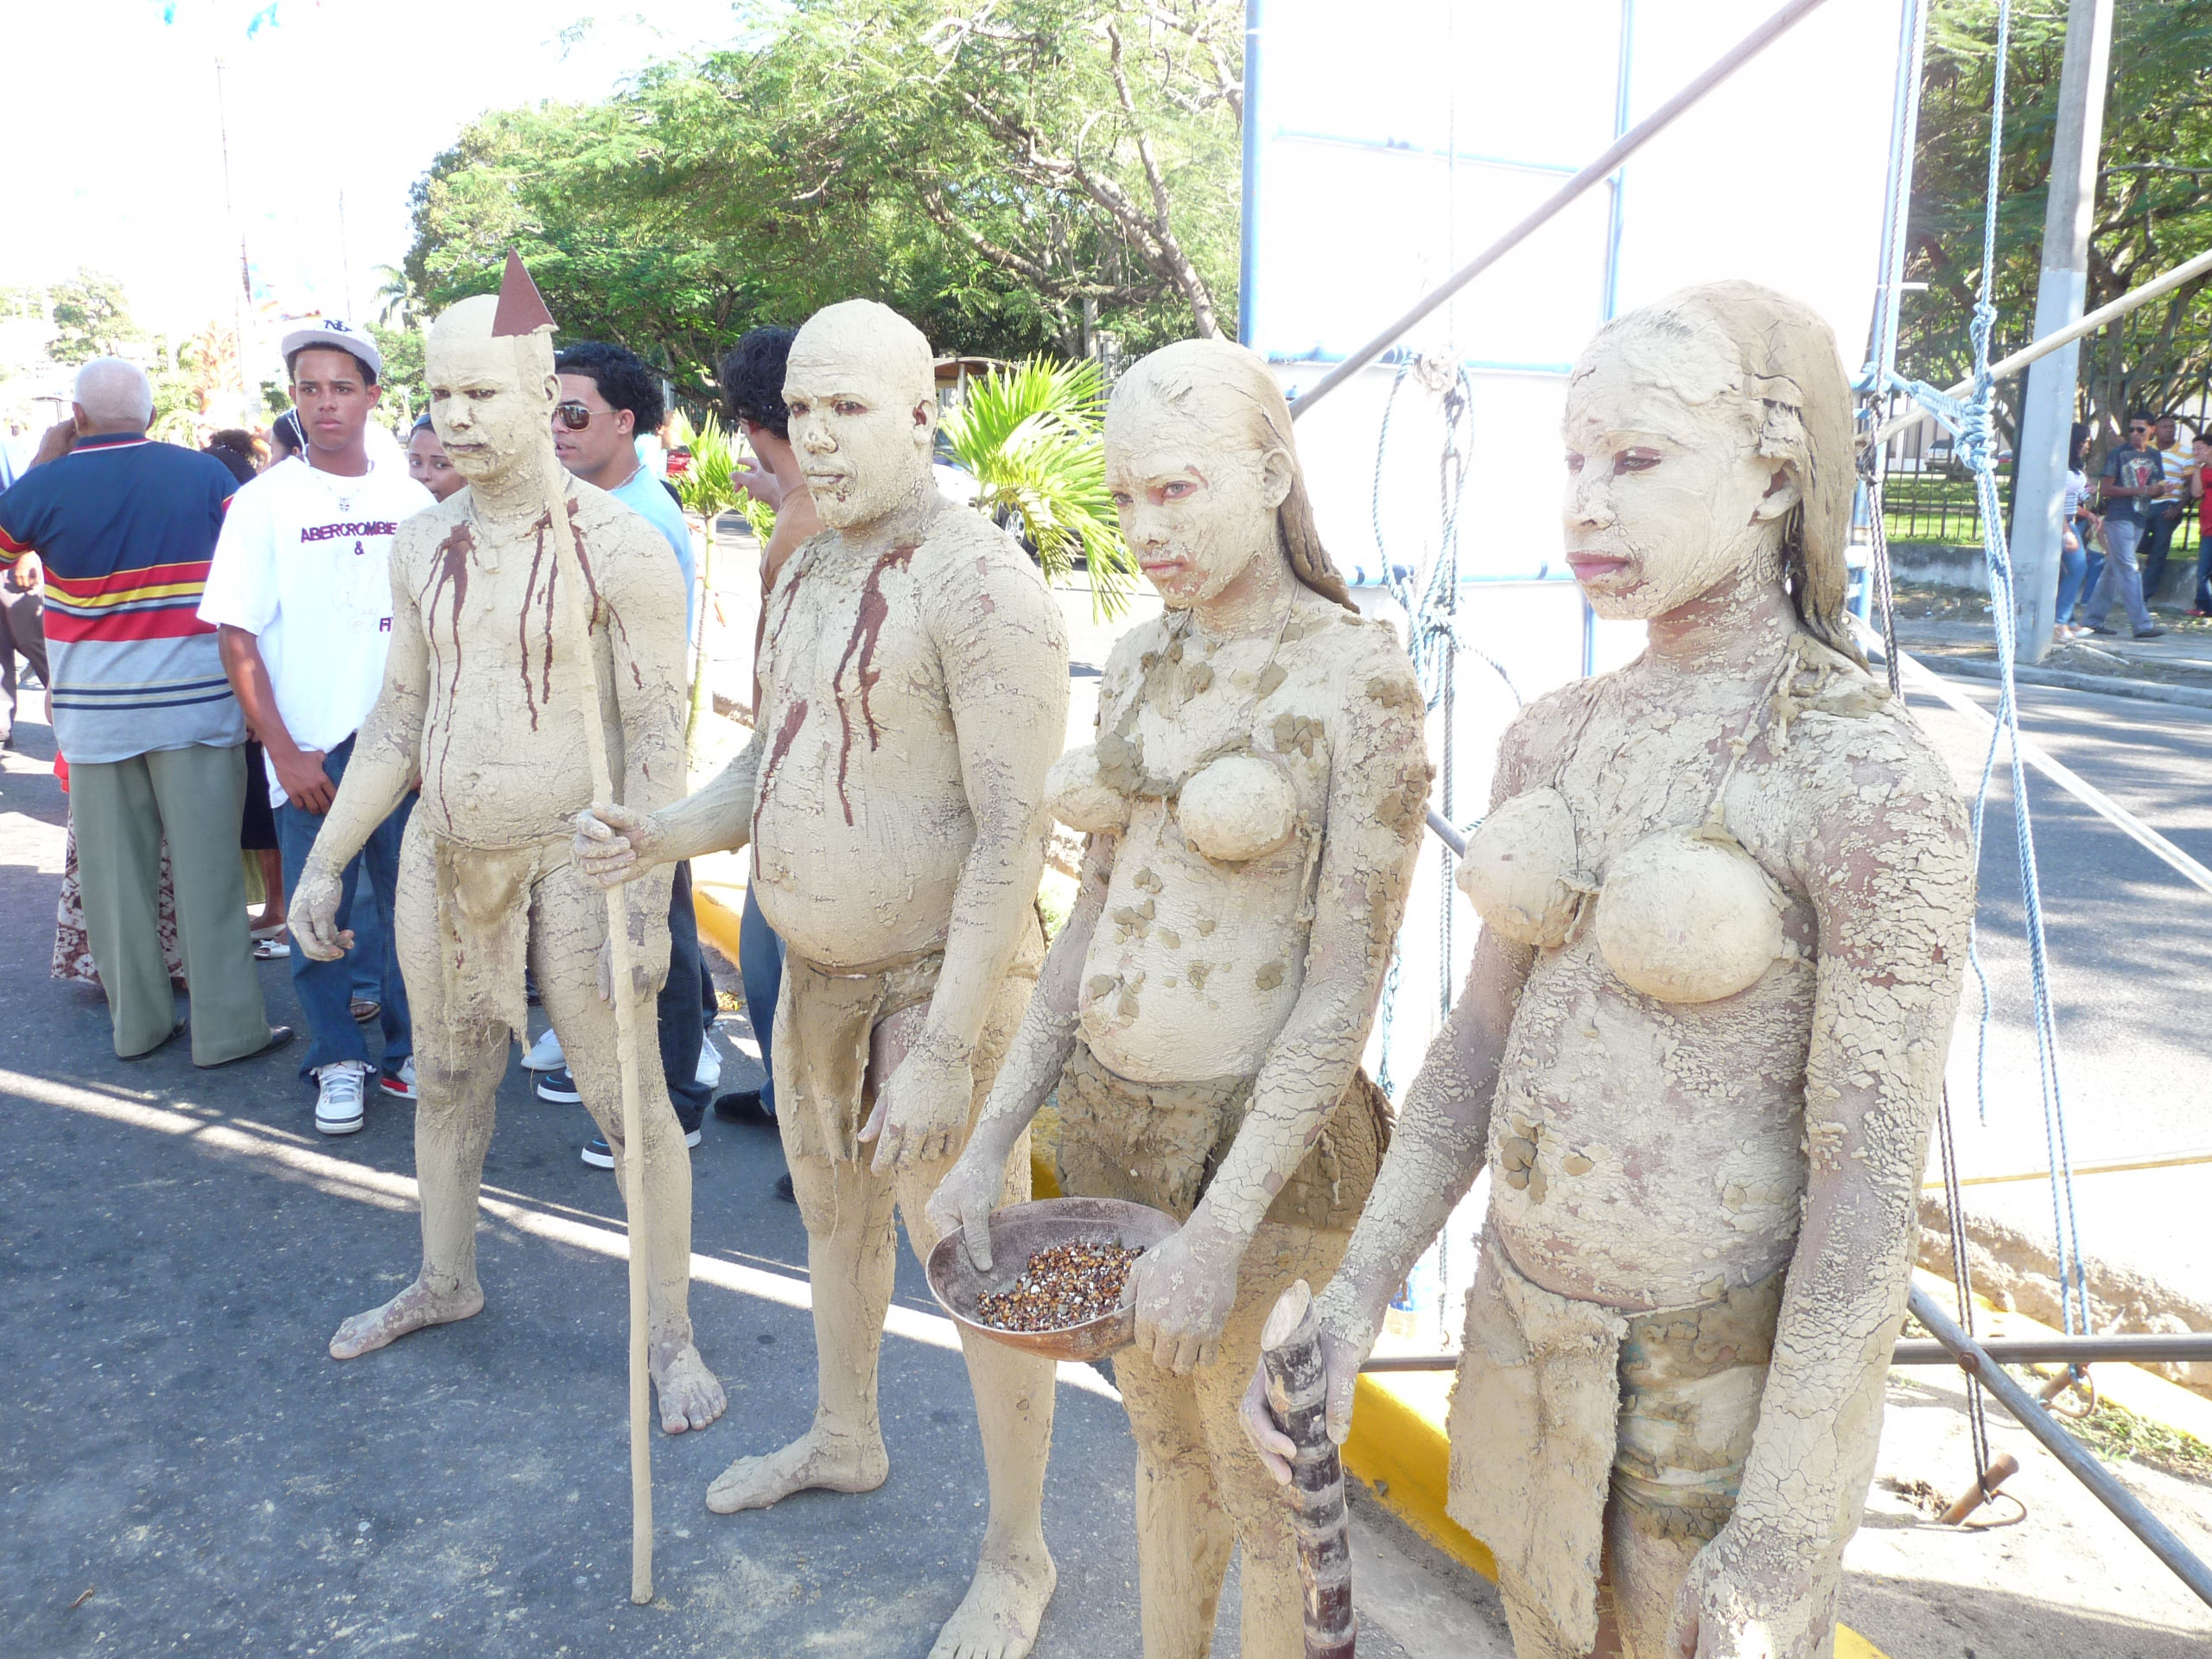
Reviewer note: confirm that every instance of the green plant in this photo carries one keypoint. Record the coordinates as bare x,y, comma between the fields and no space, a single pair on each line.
708,489
1031,436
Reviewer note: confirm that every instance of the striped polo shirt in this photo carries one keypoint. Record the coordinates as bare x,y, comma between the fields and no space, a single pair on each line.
126,528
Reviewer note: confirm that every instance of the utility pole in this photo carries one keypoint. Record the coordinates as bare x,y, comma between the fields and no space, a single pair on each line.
2047,409
245,294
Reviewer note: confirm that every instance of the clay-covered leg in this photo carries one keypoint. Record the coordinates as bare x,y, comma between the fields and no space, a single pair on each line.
1272,1622
1644,1572
851,1256
1185,1535
457,1074
1015,1392
568,919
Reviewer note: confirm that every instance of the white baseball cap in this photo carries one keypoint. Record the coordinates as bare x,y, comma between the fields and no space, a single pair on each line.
329,330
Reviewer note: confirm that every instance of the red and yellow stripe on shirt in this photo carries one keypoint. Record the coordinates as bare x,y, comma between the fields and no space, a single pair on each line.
155,601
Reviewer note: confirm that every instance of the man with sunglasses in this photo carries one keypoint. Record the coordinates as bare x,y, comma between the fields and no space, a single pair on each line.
2133,471
609,398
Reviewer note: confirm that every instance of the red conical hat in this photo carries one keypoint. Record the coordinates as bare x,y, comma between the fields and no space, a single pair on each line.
522,308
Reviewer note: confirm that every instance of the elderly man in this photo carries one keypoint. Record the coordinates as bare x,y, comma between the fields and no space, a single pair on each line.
124,529
483,699
914,693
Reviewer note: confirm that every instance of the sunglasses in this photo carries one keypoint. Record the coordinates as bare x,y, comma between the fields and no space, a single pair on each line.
575,415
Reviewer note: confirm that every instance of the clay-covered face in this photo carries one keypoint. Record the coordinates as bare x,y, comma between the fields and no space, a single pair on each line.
1196,508
486,414
1667,495
861,436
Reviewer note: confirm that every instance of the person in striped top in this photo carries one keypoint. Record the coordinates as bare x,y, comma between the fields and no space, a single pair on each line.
123,529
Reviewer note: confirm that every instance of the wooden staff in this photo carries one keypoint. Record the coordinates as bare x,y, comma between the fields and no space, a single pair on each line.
1298,1390
522,312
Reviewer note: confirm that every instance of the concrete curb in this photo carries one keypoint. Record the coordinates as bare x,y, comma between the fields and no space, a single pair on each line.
2104,685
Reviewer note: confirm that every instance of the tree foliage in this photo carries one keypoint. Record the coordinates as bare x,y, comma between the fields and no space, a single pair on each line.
2153,209
1014,176
91,318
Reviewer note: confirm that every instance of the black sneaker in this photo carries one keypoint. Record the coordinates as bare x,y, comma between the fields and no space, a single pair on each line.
2099,627
600,1155
742,1107
2152,633
560,1088
784,1188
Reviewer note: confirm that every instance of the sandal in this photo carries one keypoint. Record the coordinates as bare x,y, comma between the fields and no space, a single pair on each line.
367,1008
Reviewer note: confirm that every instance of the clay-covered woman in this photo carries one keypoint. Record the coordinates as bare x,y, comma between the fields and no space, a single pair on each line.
1725,893
1253,805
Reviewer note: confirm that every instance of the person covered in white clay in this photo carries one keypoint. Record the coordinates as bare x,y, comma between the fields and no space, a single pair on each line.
914,683
1254,804
1725,894
483,702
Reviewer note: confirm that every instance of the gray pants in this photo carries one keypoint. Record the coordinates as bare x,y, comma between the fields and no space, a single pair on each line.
2120,580
21,628
121,809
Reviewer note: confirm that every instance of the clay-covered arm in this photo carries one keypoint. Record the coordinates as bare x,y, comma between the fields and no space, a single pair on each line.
972,1187
1378,788
1893,887
386,753
617,843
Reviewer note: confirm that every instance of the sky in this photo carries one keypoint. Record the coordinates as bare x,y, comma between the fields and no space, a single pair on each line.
119,165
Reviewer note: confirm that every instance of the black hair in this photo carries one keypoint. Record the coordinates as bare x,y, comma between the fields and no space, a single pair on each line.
286,433
422,424
621,376
292,359
751,378
234,448
2077,443
2144,416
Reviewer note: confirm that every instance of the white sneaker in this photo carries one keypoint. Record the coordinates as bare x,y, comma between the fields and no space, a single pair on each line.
545,1053
710,1074
400,1085
337,1108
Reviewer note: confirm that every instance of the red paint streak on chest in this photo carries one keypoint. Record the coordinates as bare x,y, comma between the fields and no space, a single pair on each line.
530,694
867,633
794,717
452,573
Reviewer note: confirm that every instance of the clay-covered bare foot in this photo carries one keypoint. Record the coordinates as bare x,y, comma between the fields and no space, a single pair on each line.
691,1395
998,1617
424,1302
817,1460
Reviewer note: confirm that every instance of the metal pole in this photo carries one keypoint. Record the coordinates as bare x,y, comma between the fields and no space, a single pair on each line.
2047,406
1595,173
2188,271
1248,271
2017,1351
2081,1464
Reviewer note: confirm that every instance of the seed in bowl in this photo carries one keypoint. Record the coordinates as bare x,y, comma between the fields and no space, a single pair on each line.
1063,1285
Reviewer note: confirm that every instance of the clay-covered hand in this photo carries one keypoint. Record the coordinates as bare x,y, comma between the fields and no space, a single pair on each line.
314,915
1340,1363
613,844
966,1197
1183,1289
921,1112
1747,1596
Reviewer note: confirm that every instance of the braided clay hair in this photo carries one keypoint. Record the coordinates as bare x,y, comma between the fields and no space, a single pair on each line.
1225,388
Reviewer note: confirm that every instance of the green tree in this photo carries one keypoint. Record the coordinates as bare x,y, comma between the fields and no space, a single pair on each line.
2152,208
91,318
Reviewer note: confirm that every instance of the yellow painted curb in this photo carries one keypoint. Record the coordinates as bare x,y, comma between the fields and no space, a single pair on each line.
723,926
1397,1445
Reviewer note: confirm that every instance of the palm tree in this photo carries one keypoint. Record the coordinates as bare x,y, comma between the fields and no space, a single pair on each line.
398,304
1031,436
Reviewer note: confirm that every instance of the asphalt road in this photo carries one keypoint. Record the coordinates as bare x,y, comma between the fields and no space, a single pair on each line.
2130,952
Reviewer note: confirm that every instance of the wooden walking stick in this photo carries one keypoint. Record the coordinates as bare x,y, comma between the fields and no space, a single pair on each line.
1298,1390
522,312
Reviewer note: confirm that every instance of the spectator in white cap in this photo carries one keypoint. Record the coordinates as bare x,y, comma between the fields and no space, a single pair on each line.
301,591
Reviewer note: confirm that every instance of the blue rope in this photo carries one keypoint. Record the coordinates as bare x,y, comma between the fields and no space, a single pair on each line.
1969,422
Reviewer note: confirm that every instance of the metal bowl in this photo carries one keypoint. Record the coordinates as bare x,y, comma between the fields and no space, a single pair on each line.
1017,1232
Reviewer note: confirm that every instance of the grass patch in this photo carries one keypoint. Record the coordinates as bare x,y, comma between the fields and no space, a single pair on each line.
2117,1434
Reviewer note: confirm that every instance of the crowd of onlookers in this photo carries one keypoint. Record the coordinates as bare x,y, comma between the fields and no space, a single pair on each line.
209,628
2148,486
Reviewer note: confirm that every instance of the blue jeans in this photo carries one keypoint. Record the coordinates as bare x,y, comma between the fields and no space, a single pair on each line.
370,919
326,988
2072,565
2203,601
677,1012
760,959
2120,580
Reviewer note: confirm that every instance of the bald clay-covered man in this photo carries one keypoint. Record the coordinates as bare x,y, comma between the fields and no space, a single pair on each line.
483,706
914,693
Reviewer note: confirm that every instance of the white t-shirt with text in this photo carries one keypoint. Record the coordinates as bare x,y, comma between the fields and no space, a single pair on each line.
305,563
